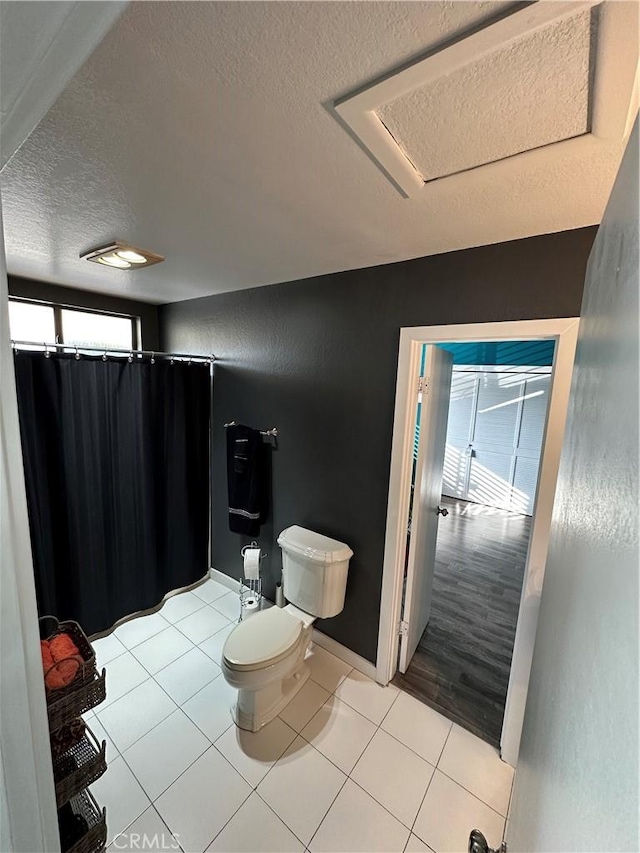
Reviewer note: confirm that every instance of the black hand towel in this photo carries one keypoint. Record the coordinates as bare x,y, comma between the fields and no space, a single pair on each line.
246,479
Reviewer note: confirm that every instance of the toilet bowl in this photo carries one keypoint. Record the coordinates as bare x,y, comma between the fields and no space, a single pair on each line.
263,656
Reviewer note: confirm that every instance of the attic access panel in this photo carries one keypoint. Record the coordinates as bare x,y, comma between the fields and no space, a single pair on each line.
512,89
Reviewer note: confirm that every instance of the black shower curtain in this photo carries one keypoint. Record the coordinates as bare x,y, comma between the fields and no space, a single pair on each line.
116,458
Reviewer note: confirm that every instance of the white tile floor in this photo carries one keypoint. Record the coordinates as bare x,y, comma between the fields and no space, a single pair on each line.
348,765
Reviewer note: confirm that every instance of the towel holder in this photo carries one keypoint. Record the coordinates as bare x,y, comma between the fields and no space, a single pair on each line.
273,431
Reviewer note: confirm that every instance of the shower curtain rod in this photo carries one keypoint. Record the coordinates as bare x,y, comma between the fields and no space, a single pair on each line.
107,351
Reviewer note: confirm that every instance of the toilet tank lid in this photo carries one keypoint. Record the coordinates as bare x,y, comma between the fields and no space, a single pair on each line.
313,546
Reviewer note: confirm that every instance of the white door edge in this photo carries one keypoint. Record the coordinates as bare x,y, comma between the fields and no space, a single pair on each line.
564,331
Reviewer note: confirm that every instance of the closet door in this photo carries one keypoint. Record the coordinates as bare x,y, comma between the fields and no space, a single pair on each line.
462,407
529,445
494,439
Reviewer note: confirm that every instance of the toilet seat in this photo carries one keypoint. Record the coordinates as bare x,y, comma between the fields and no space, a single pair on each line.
262,640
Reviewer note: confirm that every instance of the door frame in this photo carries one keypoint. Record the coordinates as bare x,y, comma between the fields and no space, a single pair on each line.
564,331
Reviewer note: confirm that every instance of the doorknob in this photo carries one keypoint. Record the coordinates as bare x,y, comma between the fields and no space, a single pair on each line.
443,511
478,844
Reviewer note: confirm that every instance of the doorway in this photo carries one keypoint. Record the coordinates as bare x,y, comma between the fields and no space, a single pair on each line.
394,630
496,417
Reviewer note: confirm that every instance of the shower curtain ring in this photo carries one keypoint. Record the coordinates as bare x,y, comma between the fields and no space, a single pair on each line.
104,355
189,364
130,359
153,358
77,355
47,354
171,361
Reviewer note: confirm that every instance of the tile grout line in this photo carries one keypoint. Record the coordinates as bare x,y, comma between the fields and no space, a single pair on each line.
184,654
475,796
193,722
229,622
175,837
235,812
417,754
155,799
382,805
155,725
446,740
360,712
164,790
348,775
254,790
429,785
297,837
324,817
152,675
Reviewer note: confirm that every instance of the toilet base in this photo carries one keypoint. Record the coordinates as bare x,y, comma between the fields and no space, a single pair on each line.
255,708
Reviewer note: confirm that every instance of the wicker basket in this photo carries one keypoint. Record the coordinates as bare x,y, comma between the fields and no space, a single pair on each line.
95,839
49,627
70,704
79,767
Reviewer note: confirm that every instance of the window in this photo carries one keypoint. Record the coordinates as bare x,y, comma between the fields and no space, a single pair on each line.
38,322
30,321
96,330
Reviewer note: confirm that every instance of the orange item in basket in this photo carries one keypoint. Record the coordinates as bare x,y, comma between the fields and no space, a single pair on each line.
60,660
47,658
62,646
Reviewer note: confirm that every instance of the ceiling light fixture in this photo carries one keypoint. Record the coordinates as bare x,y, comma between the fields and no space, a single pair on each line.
113,260
122,256
131,256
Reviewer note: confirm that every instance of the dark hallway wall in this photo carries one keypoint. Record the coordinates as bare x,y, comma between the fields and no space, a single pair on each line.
318,359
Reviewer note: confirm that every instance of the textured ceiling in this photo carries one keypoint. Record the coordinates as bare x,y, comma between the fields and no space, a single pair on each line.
41,45
539,95
204,132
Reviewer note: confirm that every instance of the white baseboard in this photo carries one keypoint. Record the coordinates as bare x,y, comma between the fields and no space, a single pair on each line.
225,580
351,658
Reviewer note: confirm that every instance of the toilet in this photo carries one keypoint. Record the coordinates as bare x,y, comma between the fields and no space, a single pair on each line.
263,656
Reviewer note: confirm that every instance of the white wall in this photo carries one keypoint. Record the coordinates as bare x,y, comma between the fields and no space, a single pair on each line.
577,781
41,47
27,808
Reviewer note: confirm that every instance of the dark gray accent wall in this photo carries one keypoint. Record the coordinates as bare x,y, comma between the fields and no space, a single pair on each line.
318,359
27,288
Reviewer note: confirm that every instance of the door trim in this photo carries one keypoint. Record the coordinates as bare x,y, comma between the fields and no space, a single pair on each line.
564,332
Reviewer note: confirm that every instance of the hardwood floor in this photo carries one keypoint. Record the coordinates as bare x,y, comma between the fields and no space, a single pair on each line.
461,666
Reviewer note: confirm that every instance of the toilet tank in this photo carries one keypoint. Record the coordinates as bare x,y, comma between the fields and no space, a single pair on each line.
314,571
